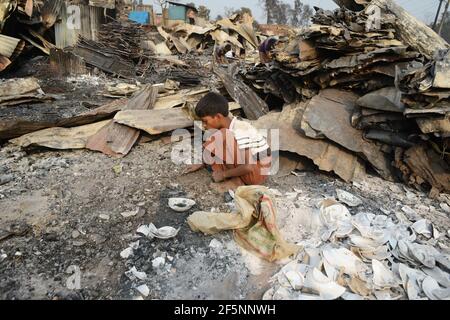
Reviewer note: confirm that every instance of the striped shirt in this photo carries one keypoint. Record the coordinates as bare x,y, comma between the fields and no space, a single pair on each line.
248,137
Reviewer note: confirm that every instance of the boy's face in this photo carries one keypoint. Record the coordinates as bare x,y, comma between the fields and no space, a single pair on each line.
212,122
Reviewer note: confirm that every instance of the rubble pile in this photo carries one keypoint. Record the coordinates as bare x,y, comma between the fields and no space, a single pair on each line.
345,95
364,257
395,113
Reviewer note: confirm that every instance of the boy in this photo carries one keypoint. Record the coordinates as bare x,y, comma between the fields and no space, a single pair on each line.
236,151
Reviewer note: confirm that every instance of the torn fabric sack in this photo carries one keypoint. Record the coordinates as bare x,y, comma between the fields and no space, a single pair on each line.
254,224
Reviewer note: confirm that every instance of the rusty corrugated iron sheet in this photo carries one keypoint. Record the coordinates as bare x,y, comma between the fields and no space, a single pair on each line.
91,20
116,139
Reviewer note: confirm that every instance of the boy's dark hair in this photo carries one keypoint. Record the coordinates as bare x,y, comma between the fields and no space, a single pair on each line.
211,105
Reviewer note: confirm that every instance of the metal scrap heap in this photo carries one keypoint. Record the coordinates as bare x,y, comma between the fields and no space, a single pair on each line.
351,83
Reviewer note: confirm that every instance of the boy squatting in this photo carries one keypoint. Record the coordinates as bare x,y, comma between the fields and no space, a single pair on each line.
238,153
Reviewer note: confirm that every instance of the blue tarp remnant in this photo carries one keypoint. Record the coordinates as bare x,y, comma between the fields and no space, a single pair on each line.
142,17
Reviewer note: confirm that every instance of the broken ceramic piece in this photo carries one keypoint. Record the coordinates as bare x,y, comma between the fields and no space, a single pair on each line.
144,229
295,279
268,295
163,232
430,287
143,289
283,294
336,218
310,297
423,227
422,253
351,296
382,276
411,213
181,204
443,278
343,258
327,289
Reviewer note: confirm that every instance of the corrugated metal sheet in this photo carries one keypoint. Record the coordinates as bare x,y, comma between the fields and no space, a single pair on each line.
66,63
64,36
8,45
91,20
177,12
97,19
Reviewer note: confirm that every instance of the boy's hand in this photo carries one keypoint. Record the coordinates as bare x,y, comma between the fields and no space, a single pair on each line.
218,176
193,168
